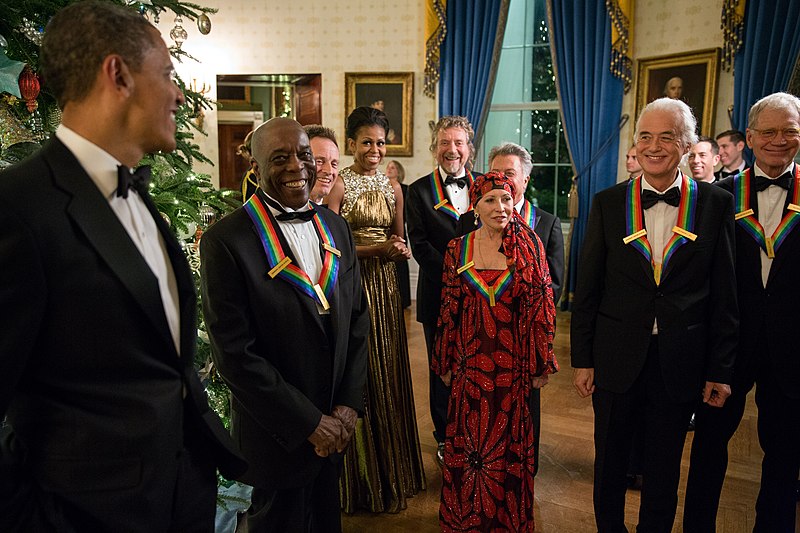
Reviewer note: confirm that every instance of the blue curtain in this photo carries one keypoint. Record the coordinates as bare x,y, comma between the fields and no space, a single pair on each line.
591,103
467,53
764,63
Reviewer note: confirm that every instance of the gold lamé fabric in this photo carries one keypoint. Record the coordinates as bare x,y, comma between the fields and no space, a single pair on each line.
383,464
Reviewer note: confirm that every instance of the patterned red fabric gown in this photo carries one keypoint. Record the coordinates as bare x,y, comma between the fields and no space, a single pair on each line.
493,353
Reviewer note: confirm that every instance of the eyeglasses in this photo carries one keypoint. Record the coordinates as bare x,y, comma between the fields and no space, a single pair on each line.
789,134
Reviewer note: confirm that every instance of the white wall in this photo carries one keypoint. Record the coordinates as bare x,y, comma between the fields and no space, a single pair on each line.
675,27
330,37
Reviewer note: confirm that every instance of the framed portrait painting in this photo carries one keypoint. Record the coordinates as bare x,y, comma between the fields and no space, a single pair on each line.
691,77
392,93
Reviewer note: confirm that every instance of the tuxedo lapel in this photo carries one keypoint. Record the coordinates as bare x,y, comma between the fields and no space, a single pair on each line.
91,213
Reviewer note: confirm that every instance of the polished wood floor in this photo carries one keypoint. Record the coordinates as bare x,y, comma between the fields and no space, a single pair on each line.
564,481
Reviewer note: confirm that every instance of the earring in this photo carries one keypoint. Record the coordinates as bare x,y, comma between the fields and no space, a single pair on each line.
477,217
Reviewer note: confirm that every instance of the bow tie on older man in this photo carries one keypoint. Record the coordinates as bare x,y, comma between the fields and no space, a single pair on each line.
461,182
784,181
126,178
651,198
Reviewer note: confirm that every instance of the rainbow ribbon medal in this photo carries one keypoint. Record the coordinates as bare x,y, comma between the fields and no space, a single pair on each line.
682,232
467,268
528,213
440,197
746,218
281,265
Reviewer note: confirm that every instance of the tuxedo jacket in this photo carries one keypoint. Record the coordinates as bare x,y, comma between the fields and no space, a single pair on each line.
548,228
429,231
617,300
769,316
284,364
100,402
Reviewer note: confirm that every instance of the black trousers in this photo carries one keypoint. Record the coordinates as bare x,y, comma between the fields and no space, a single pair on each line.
313,508
438,392
664,423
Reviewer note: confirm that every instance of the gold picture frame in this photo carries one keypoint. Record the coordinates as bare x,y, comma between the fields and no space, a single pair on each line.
699,73
393,92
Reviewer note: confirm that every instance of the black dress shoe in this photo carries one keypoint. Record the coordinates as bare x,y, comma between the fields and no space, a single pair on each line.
440,454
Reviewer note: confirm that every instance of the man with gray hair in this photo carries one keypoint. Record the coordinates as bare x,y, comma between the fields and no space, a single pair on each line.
435,204
654,322
766,199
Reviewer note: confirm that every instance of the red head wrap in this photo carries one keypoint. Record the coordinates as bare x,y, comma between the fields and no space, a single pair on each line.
487,182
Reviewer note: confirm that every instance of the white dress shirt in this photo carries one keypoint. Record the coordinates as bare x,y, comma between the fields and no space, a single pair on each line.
770,212
134,217
304,243
458,197
659,221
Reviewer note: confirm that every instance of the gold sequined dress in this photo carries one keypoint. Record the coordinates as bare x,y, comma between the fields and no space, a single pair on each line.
383,465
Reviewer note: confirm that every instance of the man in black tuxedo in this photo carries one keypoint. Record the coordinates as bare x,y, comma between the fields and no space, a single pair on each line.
109,426
435,203
731,153
654,322
288,323
515,162
768,292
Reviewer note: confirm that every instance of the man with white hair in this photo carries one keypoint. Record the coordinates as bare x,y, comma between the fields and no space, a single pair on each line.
766,199
654,322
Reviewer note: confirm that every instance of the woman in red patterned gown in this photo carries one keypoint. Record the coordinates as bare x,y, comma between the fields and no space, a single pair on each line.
494,345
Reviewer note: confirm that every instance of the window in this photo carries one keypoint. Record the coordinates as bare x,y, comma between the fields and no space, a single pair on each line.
524,107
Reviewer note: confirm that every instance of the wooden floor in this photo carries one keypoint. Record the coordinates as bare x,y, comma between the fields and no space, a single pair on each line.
564,481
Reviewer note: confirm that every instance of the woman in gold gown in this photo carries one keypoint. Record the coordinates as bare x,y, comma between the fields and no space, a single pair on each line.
383,464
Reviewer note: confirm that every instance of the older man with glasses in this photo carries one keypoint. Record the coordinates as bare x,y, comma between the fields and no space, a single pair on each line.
767,212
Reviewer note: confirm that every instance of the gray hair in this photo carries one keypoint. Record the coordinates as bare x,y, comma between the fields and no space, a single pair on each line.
779,101
509,148
687,124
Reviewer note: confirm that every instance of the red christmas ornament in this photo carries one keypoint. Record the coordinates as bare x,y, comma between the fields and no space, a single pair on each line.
29,88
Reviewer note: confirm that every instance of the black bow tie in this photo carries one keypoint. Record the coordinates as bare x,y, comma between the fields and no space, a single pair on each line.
762,182
138,179
651,198
461,182
284,215
305,216
725,174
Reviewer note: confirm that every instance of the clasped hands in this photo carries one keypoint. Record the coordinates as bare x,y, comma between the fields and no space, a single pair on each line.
334,432
395,249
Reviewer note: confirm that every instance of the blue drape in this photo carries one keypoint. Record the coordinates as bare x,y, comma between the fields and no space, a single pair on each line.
591,103
466,59
765,62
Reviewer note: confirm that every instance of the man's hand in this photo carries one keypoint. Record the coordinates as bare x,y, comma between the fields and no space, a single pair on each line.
583,380
715,394
348,417
329,436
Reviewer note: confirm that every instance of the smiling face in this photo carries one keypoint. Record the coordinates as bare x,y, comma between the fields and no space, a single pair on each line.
155,98
284,162
494,209
326,157
391,171
658,147
369,149
452,150
511,166
774,155
702,161
730,152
